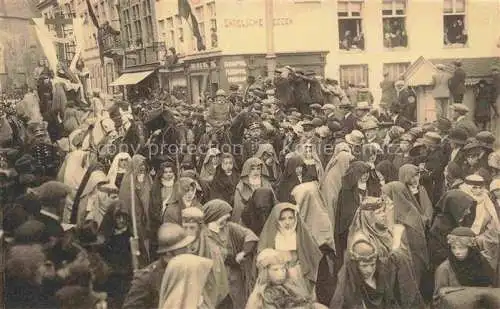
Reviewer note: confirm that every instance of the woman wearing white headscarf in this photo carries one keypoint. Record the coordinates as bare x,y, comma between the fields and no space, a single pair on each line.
88,198
183,283
210,164
118,168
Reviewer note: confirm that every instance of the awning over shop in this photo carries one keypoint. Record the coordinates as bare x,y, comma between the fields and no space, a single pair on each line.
130,78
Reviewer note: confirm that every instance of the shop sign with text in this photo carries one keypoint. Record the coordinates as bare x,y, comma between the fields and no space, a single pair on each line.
254,22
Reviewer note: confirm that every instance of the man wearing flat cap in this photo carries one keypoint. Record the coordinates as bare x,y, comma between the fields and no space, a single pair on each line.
145,288
461,119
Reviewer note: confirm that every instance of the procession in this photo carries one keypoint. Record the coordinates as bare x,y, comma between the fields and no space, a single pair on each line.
284,188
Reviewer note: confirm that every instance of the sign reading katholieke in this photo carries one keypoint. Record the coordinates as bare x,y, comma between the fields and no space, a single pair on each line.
254,22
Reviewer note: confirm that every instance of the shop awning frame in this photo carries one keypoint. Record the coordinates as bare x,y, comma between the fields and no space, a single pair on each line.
131,78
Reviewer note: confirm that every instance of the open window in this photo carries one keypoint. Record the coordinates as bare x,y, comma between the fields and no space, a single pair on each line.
350,17
394,23
455,32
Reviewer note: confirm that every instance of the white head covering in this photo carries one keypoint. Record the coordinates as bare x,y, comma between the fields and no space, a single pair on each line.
113,170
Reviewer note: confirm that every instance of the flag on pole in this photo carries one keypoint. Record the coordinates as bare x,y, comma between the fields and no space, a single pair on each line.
95,21
185,11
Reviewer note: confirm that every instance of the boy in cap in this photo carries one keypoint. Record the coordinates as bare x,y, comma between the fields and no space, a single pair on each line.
461,120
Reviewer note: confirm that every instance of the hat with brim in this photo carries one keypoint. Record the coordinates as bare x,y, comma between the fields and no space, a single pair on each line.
328,107
355,138
486,139
460,108
474,180
184,242
472,145
417,149
307,126
363,106
431,139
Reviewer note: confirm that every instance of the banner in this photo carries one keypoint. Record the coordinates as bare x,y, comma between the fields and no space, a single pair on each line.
185,11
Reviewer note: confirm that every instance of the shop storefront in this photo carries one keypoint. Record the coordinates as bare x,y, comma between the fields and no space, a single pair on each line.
206,73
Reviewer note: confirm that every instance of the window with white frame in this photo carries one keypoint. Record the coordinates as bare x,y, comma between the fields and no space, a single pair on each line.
355,75
350,17
455,32
214,41
396,70
162,30
394,23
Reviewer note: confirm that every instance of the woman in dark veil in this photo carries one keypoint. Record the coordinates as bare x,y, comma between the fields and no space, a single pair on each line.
258,209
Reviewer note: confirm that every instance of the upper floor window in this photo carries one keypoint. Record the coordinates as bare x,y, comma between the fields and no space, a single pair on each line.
455,32
394,23
213,24
350,16
353,75
396,70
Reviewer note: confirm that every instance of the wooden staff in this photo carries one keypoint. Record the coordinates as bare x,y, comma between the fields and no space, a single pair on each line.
134,240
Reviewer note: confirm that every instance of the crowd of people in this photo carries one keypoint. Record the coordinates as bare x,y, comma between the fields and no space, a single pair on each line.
273,195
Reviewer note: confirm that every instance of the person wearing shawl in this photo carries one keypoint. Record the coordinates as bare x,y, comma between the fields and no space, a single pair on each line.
184,282
253,175
386,171
285,231
409,174
258,209
275,288
70,215
407,214
331,183
141,193
465,266
237,244
291,177
161,192
352,192
118,168
225,180
392,246
313,167
486,223
184,196
267,154
485,210
314,213
217,286
364,282
369,154
210,165
456,208
88,197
